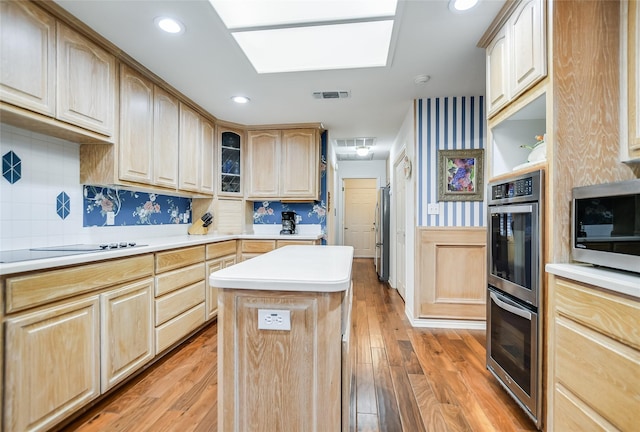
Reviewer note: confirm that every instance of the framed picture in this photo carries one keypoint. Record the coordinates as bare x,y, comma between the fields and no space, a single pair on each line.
460,175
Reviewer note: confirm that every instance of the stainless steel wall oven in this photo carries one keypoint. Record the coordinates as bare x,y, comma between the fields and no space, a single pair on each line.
514,301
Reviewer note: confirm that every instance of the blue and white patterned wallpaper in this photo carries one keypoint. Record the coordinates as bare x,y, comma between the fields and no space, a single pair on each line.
133,208
449,123
269,212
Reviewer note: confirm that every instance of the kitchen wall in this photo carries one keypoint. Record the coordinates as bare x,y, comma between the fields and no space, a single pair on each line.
447,123
42,202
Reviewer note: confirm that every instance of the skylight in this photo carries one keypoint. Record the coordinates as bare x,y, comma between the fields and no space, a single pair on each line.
304,35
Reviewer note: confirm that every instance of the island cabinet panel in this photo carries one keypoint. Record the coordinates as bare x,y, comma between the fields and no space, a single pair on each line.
126,331
52,364
594,367
27,52
276,379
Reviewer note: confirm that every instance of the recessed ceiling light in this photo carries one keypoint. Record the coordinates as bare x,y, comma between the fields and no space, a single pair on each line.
322,47
362,151
169,25
462,5
240,99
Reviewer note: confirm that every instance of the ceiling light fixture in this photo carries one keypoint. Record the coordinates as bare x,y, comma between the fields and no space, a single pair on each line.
462,5
169,25
362,151
240,99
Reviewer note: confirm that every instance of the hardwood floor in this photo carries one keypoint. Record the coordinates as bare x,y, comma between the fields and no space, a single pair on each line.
407,379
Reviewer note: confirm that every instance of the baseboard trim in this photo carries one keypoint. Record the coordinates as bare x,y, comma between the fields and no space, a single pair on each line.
449,324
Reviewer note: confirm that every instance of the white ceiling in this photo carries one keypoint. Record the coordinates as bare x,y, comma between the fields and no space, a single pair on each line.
205,64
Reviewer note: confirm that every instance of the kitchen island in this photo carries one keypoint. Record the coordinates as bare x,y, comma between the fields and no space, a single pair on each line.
283,345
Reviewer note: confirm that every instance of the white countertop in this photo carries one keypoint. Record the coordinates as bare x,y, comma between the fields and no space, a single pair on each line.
291,268
154,244
613,280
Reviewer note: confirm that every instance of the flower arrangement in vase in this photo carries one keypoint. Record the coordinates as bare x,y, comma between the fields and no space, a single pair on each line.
538,151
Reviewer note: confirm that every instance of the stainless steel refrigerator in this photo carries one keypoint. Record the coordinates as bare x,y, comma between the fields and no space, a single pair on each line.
383,214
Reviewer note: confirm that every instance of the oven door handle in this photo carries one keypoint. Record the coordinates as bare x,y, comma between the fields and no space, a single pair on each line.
511,307
511,208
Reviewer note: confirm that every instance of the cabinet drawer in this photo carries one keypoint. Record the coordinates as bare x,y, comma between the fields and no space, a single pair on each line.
600,371
177,258
575,415
216,250
174,330
282,243
258,246
175,279
613,315
43,287
175,303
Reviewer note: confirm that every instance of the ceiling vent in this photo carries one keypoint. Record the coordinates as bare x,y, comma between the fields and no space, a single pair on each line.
353,143
342,94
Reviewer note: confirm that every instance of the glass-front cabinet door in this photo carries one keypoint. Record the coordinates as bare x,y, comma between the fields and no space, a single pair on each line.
230,163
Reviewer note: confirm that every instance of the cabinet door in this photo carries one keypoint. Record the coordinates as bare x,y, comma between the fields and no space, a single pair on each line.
166,138
207,136
230,163
212,292
633,81
27,57
300,164
126,331
528,48
136,127
52,364
190,149
263,163
497,72
86,83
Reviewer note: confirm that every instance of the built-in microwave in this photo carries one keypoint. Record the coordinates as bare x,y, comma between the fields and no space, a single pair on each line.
605,228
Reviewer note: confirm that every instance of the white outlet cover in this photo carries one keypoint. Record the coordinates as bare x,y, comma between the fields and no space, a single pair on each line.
111,218
433,209
272,319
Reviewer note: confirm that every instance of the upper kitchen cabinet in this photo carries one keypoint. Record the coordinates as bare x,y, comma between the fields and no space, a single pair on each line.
196,159
64,86
27,72
283,164
86,83
516,53
231,142
136,127
630,84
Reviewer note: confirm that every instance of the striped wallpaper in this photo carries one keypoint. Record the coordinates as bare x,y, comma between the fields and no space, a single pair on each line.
448,123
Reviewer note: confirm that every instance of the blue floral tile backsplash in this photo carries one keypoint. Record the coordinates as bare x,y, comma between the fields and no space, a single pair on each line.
128,208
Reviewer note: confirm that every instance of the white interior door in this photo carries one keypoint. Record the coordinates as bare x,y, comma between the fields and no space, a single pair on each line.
399,186
360,196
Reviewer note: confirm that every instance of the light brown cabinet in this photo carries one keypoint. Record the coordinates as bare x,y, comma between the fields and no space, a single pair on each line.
52,364
166,125
517,55
230,162
283,164
219,255
126,331
135,150
86,83
180,294
630,109
197,150
47,68
28,58
594,358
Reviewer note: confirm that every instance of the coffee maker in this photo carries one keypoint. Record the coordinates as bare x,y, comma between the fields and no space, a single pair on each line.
288,222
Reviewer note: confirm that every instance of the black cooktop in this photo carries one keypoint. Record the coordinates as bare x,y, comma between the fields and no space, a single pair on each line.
17,255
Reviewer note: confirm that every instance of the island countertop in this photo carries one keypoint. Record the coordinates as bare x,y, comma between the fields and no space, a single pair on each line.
291,268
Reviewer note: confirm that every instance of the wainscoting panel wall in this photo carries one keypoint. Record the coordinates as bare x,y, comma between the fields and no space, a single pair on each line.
452,280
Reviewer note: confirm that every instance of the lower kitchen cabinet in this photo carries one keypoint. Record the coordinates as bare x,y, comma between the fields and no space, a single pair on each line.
126,331
594,358
219,255
179,295
52,364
